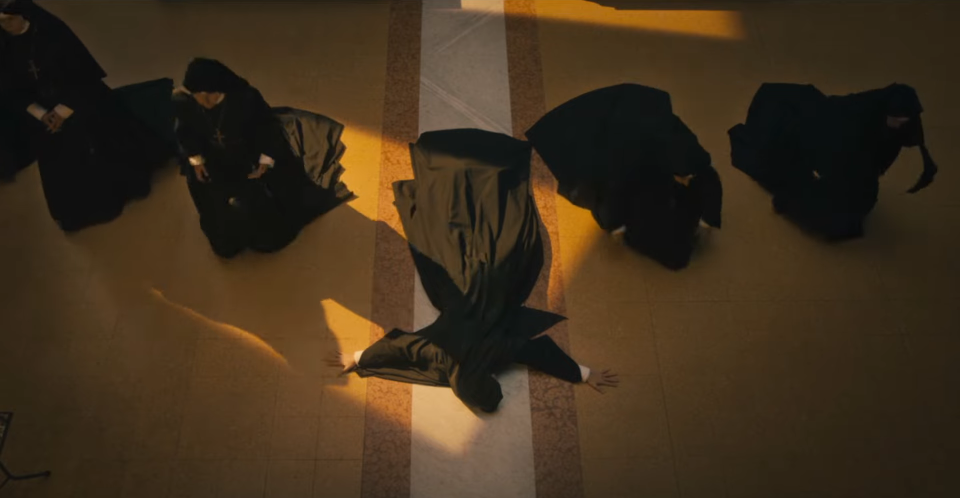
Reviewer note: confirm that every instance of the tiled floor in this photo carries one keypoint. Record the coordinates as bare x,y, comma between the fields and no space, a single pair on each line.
774,365
139,365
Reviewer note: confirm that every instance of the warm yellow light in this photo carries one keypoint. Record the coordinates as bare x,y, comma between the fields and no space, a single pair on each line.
579,235
362,164
722,24
242,335
344,323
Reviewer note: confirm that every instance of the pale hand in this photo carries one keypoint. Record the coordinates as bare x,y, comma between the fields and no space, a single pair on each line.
53,121
201,173
259,172
607,378
683,180
342,360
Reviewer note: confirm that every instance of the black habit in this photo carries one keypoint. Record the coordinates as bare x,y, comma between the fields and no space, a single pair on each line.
621,153
475,236
102,156
266,213
14,144
822,157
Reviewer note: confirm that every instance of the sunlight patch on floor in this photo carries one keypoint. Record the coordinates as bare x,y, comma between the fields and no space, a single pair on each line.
717,24
579,235
722,24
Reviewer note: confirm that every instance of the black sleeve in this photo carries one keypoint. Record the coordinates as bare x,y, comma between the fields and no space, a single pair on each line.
711,195
543,354
630,161
268,132
16,102
405,357
192,143
618,159
80,76
13,99
929,166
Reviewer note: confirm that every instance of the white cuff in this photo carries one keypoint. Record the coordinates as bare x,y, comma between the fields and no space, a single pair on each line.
196,161
356,357
266,160
63,111
36,110
619,231
584,373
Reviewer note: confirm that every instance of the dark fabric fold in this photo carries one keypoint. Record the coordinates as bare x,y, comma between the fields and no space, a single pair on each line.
265,213
822,156
620,151
475,236
103,155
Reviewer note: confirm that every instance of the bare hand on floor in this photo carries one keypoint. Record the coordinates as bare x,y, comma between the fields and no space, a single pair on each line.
342,360
607,378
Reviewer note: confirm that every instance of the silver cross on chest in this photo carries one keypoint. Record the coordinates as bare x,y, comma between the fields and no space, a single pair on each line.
219,137
34,70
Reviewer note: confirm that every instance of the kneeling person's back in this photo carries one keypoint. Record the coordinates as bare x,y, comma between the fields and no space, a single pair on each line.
621,153
822,156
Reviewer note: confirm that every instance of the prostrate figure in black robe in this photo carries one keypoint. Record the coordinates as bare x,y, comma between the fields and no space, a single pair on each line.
474,233
621,153
94,155
822,157
257,175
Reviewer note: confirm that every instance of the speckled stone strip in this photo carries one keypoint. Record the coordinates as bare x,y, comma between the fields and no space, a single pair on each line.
556,439
386,446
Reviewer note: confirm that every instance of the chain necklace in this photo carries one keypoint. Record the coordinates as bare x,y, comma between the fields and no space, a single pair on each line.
218,137
32,67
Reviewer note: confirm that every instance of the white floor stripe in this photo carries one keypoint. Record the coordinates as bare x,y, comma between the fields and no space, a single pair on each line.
464,84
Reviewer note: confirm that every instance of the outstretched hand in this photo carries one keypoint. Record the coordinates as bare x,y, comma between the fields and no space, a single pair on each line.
342,360
607,378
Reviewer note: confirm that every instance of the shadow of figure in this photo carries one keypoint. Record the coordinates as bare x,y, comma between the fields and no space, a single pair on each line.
281,299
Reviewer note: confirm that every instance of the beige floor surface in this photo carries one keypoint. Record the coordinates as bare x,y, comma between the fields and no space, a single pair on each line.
774,365
140,365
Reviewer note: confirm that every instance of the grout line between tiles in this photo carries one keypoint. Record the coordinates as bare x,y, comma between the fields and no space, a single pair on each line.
663,398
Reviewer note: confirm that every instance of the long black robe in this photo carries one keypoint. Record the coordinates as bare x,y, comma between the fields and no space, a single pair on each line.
615,151
474,233
822,157
264,214
14,144
102,156
149,102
